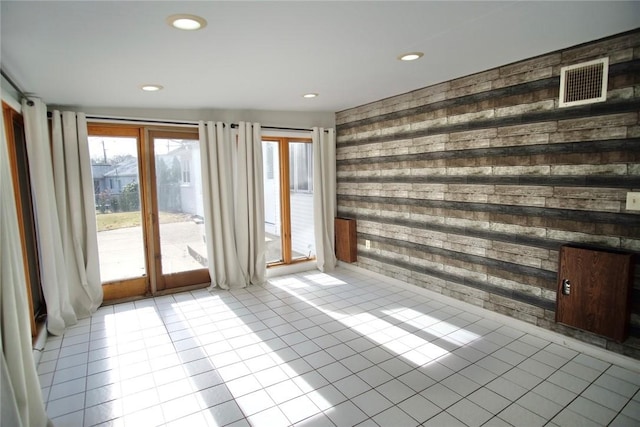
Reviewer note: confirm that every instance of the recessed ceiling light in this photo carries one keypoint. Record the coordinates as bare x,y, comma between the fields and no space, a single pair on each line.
186,22
151,88
411,56
309,95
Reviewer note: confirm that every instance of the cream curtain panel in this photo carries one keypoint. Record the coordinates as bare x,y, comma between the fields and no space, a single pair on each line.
233,203
216,154
250,204
73,182
20,397
62,189
324,196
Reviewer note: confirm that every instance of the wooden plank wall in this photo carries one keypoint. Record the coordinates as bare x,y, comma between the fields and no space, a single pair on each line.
470,187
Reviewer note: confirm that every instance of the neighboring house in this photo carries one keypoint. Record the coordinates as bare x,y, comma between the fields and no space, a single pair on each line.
183,172
99,182
113,177
109,181
178,190
120,175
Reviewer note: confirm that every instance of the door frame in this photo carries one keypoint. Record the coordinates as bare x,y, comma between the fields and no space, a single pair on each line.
11,117
285,197
153,282
160,281
137,286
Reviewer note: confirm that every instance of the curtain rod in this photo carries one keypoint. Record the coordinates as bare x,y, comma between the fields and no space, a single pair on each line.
16,87
180,123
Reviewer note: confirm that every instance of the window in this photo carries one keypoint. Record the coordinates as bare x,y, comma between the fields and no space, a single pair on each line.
300,167
288,199
268,161
186,171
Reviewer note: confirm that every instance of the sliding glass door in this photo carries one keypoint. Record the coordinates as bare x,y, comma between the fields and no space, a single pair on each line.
148,200
122,233
288,200
179,236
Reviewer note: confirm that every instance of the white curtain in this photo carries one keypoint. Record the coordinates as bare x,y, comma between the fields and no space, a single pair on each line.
20,397
250,203
216,155
232,191
324,196
73,183
65,218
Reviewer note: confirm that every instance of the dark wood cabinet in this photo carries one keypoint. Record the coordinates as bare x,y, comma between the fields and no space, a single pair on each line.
594,288
346,240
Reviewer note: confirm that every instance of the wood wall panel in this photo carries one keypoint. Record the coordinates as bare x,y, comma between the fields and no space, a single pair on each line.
470,187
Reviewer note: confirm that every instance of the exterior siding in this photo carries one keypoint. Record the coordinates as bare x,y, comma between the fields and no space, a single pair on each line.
470,187
302,232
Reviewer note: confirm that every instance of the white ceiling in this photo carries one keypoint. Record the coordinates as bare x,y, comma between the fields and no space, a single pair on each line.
264,55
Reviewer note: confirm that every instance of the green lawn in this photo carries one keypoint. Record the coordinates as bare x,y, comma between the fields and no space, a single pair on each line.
113,221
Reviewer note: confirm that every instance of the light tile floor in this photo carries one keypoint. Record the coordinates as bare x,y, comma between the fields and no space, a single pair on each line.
315,349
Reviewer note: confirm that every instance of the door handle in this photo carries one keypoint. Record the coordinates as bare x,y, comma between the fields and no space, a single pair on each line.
566,287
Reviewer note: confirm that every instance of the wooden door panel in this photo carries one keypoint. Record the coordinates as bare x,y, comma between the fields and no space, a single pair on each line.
598,296
346,240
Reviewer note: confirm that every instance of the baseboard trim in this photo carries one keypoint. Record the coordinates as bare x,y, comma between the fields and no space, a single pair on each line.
298,267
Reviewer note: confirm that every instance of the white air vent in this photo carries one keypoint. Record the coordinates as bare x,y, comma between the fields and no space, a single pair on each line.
584,83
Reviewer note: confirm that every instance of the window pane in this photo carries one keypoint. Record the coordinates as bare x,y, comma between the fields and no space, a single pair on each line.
268,159
302,233
114,160
272,221
180,208
300,166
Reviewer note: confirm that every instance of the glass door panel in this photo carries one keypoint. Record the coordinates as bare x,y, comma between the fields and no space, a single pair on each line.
301,200
272,219
116,181
180,209
179,243
288,199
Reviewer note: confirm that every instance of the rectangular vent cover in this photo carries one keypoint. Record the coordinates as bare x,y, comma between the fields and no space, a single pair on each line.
584,83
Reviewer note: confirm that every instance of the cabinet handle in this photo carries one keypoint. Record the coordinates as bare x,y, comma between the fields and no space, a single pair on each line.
566,287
